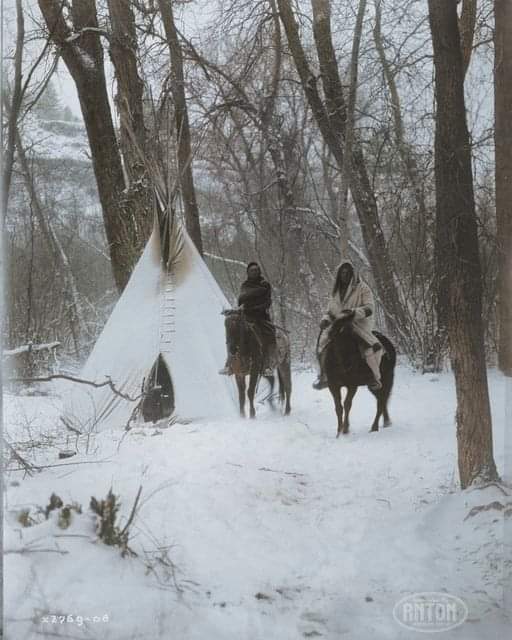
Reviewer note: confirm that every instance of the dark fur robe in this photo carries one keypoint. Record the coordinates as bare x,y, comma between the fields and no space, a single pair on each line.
256,296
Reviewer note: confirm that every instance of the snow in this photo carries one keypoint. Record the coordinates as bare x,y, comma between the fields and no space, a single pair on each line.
56,140
275,528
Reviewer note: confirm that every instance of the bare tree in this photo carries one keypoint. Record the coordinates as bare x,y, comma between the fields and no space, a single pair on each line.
263,119
123,50
457,224
467,22
74,29
503,145
434,341
331,118
346,169
14,107
57,251
185,156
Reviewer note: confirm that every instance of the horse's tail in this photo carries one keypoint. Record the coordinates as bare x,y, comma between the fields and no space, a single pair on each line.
281,385
390,356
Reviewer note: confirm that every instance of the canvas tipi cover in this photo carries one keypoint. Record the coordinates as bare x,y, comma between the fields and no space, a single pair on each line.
175,313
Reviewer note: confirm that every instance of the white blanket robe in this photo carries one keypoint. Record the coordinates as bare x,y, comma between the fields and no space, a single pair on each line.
357,298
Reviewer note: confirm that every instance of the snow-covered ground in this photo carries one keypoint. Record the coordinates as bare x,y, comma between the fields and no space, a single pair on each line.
260,529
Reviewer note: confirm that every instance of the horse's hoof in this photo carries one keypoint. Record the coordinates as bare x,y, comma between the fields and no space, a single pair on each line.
337,435
373,429
387,424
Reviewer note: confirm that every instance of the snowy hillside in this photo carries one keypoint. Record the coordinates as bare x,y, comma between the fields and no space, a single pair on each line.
265,529
57,139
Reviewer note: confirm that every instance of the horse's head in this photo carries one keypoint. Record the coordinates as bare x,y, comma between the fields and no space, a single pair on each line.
235,328
343,339
341,325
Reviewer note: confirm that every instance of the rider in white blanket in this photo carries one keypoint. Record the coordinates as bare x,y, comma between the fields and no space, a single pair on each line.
351,298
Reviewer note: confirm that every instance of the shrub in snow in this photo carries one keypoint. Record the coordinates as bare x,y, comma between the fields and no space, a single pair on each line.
29,518
65,514
106,527
55,503
25,519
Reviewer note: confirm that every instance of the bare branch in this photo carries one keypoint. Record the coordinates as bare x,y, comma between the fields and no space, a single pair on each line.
61,376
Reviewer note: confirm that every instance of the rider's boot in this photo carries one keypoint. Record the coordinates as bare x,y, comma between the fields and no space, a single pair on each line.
372,357
226,369
321,381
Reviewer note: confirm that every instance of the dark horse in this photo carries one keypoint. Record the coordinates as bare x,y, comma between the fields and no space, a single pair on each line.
245,348
345,367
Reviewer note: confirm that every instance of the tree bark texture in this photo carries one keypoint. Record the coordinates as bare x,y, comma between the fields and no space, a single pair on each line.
185,156
123,49
503,145
13,108
459,253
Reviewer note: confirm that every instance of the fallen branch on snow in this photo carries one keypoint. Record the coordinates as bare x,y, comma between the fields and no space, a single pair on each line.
486,507
61,376
287,473
23,550
26,466
64,464
481,487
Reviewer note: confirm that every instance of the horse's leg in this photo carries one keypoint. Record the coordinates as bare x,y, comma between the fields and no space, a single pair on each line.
240,383
253,381
271,382
387,419
336,394
386,392
285,384
379,395
351,392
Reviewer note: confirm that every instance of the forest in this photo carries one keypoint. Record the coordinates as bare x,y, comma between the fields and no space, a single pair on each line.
294,133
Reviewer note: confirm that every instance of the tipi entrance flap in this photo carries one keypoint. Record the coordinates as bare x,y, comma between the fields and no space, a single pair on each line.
158,400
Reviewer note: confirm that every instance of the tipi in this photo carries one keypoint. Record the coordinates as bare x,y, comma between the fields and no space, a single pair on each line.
162,344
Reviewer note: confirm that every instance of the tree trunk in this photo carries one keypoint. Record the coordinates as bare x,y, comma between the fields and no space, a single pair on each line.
437,350
346,169
186,177
129,100
270,128
331,120
467,23
82,53
503,142
59,256
457,224
13,109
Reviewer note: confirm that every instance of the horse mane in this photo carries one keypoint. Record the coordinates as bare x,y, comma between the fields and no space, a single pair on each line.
239,333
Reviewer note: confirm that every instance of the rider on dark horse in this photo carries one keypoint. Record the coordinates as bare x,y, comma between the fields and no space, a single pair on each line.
255,300
352,299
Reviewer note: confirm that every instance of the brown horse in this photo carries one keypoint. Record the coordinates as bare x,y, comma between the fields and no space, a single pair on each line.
345,367
246,356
